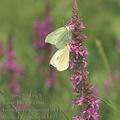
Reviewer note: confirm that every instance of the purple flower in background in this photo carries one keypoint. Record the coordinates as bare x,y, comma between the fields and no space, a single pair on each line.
14,86
86,97
51,79
39,59
42,29
10,63
13,69
110,82
118,50
118,46
1,50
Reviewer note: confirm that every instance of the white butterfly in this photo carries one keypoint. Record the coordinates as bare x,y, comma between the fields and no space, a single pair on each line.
60,59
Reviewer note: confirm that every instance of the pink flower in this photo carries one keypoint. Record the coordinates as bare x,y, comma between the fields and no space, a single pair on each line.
51,79
118,46
71,25
42,29
85,98
79,50
15,88
10,64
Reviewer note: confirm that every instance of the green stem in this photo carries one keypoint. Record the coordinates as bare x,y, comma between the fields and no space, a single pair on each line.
103,55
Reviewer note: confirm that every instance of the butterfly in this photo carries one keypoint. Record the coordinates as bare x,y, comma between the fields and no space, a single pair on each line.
60,38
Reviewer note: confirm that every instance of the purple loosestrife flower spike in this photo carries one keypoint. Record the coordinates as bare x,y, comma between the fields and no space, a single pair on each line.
86,99
10,63
42,29
12,68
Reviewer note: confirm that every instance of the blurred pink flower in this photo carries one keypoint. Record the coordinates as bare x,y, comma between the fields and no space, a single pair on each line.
110,82
51,79
118,46
21,107
39,59
42,29
14,86
10,63
14,69
1,50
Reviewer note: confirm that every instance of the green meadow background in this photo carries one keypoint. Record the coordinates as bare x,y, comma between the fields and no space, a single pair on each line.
102,21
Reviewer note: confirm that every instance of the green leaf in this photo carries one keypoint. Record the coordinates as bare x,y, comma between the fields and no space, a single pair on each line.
59,37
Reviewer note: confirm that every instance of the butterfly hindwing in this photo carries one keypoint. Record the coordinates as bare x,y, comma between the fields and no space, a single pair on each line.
60,60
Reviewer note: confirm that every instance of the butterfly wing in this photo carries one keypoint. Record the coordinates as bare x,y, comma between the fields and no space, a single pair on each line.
60,60
59,38
63,63
64,39
54,37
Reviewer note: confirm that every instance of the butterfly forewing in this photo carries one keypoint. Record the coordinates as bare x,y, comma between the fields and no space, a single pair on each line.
64,39
54,37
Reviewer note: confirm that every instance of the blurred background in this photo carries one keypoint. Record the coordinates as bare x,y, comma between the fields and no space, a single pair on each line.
25,75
